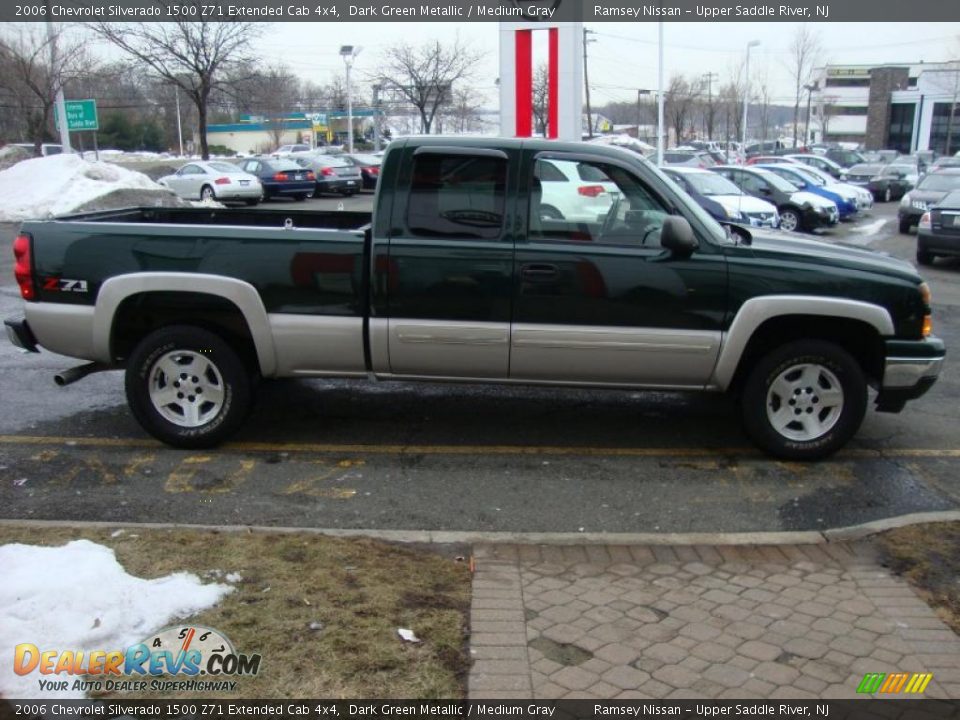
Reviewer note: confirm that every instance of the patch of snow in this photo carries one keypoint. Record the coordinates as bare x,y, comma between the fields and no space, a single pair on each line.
870,228
233,577
78,597
59,184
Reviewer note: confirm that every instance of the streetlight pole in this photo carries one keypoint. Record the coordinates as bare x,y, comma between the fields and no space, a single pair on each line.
710,77
349,53
660,99
176,94
586,81
746,94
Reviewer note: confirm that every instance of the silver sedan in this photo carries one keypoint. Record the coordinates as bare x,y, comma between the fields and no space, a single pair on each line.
213,180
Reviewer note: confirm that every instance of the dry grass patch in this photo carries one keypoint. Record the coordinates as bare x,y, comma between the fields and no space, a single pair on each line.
928,556
359,591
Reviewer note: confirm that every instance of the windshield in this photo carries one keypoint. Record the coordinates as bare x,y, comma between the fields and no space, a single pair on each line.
810,175
225,167
779,183
937,182
865,169
711,184
909,169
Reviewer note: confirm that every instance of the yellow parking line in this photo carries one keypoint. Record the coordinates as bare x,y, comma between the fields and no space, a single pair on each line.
693,452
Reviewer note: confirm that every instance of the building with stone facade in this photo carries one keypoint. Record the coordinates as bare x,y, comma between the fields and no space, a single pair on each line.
903,106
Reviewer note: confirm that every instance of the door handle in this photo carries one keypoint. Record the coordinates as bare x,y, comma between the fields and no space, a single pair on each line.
539,271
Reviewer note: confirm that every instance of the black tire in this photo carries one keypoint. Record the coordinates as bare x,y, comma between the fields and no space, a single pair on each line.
207,193
841,423
924,257
905,226
349,193
252,202
794,221
301,198
144,373
549,212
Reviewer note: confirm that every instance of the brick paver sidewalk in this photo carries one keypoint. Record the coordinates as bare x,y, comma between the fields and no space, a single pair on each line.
697,622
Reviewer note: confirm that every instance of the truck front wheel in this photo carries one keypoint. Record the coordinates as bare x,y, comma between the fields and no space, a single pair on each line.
187,387
804,400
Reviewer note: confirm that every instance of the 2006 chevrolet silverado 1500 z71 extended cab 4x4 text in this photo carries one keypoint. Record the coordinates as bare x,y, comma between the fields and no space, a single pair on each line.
469,270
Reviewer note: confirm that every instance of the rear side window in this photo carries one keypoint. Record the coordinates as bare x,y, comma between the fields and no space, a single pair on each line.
457,196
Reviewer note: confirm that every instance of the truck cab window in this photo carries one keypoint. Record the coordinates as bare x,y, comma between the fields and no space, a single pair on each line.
597,203
457,197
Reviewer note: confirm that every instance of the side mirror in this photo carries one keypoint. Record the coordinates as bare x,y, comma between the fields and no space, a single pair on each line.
677,236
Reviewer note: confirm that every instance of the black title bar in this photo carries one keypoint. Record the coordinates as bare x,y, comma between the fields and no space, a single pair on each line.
547,11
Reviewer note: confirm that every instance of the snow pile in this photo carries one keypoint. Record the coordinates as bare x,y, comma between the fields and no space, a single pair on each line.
60,184
78,597
12,154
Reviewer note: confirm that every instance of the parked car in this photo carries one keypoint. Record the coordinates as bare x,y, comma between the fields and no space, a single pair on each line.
689,158
944,162
879,157
938,232
45,148
933,188
334,175
214,180
767,159
369,166
798,210
819,162
797,174
861,196
885,184
909,169
281,177
286,150
572,191
722,199
844,158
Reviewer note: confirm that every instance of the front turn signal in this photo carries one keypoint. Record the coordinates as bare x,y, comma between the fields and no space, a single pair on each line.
927,325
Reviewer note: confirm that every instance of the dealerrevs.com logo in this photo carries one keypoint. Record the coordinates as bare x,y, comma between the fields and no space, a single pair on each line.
171,660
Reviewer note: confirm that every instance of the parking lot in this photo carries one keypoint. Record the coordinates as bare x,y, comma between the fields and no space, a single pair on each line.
337,454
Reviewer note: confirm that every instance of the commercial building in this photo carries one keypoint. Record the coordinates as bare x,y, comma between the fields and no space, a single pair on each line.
907,107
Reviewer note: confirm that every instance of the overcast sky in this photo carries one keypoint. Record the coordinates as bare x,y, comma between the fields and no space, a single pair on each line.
624,56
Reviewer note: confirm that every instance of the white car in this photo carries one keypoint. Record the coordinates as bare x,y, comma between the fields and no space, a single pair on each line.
574,191
723,199
288,150
214,180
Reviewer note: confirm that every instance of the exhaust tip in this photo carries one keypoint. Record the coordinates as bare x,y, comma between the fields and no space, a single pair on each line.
59,379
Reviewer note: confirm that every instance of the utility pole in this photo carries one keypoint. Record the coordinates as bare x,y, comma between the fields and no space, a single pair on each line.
349,54
806,130
376,118
710,77
176,93
586,81
60,105
660,139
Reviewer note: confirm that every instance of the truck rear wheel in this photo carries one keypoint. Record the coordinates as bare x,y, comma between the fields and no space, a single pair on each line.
187,387
804,400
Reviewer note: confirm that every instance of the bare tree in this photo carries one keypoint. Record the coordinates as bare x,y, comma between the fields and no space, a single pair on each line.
804,54
29,80
464,110
825,110
425,74
764,98
679,101
541,98
194,55
271,92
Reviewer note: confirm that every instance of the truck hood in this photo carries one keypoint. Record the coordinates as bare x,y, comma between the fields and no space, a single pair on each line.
743,203
784,246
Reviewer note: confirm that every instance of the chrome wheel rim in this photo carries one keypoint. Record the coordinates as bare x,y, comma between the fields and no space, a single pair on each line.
186,388
804,402
887,195
788,222
206,194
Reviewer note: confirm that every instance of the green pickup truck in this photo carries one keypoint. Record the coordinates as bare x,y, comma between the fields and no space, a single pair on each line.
485,260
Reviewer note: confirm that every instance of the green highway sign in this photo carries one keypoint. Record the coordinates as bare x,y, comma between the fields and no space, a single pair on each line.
81,115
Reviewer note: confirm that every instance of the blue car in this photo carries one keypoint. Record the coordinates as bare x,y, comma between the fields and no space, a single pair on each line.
793,173
281,177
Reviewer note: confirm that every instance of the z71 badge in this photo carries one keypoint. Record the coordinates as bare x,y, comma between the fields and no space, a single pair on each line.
63,285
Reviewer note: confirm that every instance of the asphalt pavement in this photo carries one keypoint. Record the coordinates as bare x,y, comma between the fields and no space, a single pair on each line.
337,454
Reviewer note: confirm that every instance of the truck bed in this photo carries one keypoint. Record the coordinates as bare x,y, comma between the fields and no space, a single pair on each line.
275,217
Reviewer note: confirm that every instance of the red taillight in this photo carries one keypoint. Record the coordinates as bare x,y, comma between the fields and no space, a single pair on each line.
591,190
222,181
373,170
21,267
281,177
327,172
311,176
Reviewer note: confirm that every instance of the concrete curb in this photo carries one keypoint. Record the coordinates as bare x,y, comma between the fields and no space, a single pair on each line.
800,537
